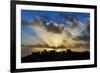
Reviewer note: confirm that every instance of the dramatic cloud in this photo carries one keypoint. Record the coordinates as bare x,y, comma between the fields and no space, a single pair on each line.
79,45
71,34
72,22
75,26
53,27
82,38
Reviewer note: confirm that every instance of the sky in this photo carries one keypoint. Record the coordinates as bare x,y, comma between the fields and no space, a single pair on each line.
54,16
68,29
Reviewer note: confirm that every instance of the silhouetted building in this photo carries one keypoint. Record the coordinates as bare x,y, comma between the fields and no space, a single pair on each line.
69,51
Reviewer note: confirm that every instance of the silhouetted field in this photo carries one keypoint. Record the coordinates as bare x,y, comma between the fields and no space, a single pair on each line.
55,56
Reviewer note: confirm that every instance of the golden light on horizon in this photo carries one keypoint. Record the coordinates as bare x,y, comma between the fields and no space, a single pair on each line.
61,50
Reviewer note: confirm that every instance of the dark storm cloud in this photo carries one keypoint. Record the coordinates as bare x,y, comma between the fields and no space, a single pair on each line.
86,32
82,38
72,22
85,45
53,27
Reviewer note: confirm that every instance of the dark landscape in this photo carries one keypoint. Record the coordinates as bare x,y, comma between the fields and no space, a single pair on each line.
55,56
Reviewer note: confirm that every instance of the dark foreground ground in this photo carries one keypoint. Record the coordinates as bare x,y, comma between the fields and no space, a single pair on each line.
55,56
